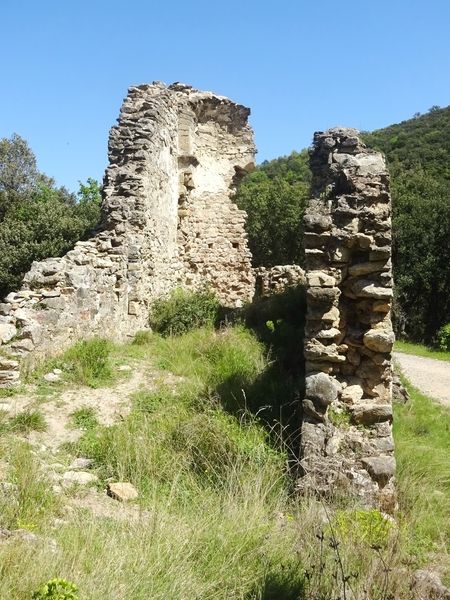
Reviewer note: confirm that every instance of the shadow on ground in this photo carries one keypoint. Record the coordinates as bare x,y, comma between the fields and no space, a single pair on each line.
275,396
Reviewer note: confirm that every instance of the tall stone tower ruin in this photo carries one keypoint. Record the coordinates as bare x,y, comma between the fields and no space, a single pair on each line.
175,158
347,440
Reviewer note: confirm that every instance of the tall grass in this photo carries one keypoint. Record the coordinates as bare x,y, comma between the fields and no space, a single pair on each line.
88,362
422,438
28,502
216,517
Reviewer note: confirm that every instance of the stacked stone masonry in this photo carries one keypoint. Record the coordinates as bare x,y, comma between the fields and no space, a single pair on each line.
276,280
175,158
347,443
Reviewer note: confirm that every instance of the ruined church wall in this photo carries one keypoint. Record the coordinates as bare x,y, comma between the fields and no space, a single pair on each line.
214,156
347,442
168,219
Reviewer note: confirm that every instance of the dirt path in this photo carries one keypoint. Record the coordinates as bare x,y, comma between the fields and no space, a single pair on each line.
430,376
111,404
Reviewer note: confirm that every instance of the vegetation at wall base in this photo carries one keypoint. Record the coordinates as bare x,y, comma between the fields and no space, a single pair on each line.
182,311
88,362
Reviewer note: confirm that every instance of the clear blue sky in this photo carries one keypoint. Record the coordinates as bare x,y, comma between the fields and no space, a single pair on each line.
301,65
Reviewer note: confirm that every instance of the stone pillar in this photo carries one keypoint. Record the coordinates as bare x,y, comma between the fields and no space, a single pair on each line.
346,442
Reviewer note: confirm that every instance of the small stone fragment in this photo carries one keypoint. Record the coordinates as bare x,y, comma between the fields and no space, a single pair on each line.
122,491
51,377
352,394
81,463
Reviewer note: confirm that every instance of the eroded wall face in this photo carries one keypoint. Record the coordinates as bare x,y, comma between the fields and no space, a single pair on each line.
214,154
169,220
347,444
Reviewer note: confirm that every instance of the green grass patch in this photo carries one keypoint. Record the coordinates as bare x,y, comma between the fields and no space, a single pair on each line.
30,502
422,438
88,362
28,420
420,350
223,364
218,518
84,418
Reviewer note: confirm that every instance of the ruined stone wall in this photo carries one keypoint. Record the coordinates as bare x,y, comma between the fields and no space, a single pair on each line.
175,158
347,442
278,279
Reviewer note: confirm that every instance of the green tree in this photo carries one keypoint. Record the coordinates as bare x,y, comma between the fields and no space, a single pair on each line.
18,171
274,197
37,220
421,254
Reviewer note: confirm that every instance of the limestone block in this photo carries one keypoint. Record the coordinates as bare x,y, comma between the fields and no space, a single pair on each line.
321,389
7,364
7,332
122,491
379,340
365,268
314,350
367,289
320,278
369,413
311,410
380,468
363,241
318,222
322,295
328,334
381,306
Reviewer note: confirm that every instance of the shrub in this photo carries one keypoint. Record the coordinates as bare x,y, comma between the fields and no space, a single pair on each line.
366,526
182,311
444,338
56,589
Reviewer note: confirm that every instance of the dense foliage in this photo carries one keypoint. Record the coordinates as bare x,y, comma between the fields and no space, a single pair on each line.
274,197
37,219
183,311
422,142
418,154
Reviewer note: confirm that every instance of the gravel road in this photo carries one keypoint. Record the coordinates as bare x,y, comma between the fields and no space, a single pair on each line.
430,376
